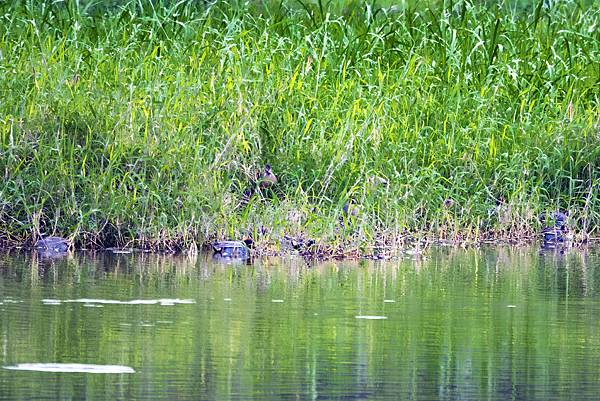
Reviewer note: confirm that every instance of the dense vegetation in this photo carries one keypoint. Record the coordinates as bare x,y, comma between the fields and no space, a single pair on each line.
144,123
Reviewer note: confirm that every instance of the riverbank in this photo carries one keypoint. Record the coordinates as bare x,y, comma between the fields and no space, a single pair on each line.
147,127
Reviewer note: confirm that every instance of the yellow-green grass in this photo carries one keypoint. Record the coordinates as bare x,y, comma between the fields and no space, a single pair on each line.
142,123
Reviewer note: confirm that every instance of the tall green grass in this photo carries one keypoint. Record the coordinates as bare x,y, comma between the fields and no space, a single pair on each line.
144,122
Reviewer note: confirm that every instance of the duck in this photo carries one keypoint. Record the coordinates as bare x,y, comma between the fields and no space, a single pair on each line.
264,180
350,208
240,250
558,232
267,179
53,244
299,243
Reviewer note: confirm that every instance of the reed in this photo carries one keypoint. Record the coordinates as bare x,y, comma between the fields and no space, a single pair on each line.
142,123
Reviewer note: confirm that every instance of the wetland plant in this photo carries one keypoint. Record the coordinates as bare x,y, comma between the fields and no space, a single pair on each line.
138,122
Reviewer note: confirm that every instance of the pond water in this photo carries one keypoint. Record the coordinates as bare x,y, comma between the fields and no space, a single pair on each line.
489,324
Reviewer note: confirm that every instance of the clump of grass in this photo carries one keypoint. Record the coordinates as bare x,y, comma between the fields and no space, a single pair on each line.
143,123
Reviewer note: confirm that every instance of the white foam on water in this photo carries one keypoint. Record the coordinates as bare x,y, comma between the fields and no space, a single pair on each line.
277,301
71,368
182,301
511,306
371,317
389,301
12,301
132,302
90,301
227,299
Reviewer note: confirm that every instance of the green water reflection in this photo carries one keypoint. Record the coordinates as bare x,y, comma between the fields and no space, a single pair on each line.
495,324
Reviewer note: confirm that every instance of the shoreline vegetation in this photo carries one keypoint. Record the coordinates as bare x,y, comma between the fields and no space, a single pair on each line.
148,124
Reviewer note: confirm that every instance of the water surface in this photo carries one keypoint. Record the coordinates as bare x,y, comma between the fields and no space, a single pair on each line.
490,324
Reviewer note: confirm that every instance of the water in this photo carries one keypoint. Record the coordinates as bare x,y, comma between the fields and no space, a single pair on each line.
492,324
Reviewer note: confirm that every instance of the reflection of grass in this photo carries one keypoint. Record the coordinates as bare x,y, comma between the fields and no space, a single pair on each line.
450,315
144,126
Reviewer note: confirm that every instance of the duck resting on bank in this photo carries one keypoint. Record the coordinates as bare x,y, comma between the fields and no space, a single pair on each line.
558,232
53,244
240,250
350,208
267,179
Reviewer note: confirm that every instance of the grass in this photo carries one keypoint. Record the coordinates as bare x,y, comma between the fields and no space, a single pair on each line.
142,123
